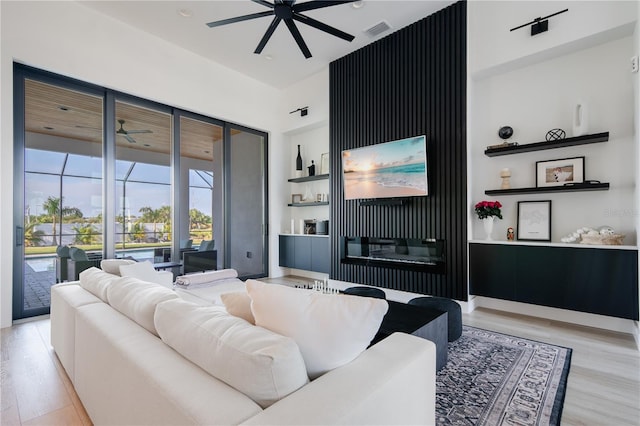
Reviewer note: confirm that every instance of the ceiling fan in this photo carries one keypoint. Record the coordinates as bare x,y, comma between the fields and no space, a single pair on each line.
126,133
288,11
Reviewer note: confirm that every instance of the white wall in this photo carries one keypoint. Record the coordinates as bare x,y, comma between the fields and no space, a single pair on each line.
532,83
69,39
311,132
541,97
494,49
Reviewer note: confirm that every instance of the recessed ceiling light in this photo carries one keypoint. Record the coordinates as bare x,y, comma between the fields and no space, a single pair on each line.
268,57
186,13
357,4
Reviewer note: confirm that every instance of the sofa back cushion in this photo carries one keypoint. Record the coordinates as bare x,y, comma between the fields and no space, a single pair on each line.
112,266
261,364
330,329
138,299
96,281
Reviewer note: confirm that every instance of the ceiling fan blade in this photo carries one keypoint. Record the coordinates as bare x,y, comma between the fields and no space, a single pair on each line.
240,18
127,137
133,132
264,3
298,37
322,27
319,4
267,35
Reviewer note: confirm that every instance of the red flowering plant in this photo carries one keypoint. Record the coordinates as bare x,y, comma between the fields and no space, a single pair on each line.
486,209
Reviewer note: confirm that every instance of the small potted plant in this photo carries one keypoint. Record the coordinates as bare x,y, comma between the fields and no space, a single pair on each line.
487,211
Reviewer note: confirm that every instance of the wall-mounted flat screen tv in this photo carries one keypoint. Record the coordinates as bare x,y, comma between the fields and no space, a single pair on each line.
386,170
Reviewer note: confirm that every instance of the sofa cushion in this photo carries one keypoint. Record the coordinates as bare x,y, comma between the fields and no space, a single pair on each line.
96,282
330,330
261,364
112,266
238,304
138,299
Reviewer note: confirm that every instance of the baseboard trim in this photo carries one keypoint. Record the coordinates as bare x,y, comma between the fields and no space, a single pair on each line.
563,315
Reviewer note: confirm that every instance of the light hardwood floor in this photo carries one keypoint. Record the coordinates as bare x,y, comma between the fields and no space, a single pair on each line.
603,385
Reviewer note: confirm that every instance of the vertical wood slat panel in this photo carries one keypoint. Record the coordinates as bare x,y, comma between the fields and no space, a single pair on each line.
410,83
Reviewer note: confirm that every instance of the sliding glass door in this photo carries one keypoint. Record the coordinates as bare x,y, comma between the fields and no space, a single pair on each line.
143,212
246,198
103,174
201,197
60,173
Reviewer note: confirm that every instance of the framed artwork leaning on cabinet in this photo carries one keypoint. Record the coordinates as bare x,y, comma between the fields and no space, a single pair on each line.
534,220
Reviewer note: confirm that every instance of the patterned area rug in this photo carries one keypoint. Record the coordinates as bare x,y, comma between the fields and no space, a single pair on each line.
497,379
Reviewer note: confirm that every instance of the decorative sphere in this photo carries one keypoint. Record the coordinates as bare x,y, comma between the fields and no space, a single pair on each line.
505,132
555,135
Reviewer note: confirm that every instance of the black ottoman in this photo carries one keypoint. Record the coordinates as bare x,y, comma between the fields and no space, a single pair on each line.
366,291
445,305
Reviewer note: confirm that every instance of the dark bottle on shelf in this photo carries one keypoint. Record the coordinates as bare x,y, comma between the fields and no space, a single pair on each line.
312,169
299,160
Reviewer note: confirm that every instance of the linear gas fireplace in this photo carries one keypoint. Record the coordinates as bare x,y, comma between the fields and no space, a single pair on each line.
415,254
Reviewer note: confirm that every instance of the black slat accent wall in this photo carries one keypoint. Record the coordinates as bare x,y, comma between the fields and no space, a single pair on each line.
410,83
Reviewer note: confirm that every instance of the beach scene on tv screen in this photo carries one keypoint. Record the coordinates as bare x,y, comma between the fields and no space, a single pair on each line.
386,170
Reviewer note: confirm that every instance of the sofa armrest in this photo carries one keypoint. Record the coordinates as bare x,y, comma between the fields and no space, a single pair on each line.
392,382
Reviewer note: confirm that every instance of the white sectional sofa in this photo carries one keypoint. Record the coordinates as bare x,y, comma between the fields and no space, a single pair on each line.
137,353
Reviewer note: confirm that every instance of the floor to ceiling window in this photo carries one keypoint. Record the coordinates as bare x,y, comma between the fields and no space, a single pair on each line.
117,176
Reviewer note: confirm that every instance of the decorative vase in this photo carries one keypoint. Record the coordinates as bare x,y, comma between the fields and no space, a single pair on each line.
299,164
487,223
580,119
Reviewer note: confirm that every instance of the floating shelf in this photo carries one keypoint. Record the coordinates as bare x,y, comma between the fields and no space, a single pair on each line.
539,146
550,189
309,178
323,203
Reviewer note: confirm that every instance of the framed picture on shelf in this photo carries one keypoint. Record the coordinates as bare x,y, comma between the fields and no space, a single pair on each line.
324,164
296,198
559,172
534,220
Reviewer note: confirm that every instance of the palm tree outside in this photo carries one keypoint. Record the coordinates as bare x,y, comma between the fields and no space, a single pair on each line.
54,211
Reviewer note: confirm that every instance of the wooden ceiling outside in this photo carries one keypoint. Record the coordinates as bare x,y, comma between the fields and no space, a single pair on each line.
55,111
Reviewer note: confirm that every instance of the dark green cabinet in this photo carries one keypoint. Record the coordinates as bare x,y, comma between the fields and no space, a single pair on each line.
594,280
310,253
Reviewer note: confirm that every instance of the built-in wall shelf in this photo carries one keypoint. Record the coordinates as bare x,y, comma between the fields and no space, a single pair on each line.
539,146
309,179
551,189
315,203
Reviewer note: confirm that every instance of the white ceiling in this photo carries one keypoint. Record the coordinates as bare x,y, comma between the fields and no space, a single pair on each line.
233,45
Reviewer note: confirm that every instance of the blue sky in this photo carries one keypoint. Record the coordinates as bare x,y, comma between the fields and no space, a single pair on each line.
82,183
404,151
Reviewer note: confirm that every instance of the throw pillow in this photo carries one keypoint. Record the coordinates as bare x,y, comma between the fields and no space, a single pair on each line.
112,266
330,330
238,304
261,364
146,272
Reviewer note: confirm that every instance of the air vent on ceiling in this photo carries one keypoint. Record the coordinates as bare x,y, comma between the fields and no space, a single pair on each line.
378,29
